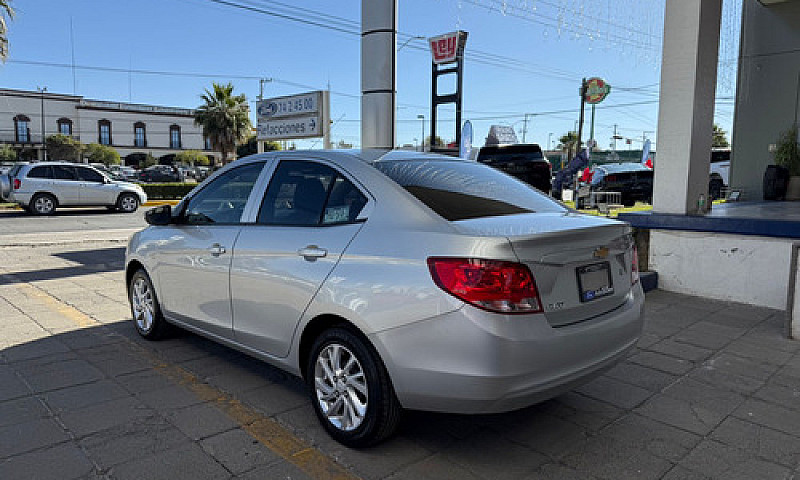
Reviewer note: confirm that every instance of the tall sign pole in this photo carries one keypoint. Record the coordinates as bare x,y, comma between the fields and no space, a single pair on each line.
582,93
445,50
595,90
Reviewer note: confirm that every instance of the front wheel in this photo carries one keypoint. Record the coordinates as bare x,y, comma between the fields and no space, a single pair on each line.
351,390
147,317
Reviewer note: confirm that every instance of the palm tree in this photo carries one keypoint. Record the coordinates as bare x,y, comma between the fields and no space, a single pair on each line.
568,143
225,118
5,11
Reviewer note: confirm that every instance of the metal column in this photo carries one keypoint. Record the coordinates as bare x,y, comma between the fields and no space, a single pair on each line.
378,73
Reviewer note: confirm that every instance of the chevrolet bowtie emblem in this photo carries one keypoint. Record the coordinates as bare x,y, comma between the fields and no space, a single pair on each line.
601,252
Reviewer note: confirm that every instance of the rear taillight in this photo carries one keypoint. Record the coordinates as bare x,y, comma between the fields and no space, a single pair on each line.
635,266
17,184
493,285
611,178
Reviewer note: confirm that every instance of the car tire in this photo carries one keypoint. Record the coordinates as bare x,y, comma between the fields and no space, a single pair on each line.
127,203
43,204
355,402
145,309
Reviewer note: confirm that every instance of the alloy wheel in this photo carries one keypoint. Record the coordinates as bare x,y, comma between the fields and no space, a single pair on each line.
43,205
143,304
341,387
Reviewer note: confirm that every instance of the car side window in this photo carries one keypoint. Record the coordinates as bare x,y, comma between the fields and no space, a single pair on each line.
223,200
305,193
89,175
40,172
63,172
344,204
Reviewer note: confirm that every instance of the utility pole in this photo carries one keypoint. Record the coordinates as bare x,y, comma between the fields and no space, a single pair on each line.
615,138
525,126
41,90
422,117
261,82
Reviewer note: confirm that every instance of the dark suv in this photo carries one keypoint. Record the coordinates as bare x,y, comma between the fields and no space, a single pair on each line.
524,161
633,180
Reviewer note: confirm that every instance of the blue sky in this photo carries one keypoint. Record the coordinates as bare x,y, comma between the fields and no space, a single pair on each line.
524,56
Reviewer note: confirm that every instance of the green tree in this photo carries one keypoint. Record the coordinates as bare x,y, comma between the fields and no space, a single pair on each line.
7,154
63,147
719,140
149,161
437,142
191,157
5,11
569,143
224,117
250,147
106,155
787,151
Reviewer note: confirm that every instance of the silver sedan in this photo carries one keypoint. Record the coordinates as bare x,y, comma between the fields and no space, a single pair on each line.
391,281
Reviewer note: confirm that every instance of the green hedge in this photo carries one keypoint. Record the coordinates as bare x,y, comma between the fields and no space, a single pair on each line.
167,191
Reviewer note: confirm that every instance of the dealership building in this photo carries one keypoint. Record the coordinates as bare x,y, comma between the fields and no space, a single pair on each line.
134,130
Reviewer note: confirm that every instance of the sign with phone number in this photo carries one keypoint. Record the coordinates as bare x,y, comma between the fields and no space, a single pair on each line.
307,103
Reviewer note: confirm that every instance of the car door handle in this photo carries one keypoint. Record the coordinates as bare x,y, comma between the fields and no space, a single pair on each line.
311,252
216,249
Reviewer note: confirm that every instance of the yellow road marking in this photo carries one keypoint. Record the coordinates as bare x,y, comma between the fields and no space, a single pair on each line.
264,429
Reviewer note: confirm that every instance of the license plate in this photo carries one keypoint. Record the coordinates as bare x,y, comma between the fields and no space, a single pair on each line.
594,281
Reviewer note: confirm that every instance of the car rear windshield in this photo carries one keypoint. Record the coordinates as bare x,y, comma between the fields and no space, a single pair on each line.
14,170
460,190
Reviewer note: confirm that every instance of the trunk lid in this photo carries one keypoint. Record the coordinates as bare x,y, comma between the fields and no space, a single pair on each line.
569,254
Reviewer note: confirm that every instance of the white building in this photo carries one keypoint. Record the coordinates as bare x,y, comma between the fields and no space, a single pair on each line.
134,130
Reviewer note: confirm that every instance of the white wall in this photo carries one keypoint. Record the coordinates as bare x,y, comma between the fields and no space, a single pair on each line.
748,269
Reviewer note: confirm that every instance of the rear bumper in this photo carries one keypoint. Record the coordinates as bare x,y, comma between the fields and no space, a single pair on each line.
470,361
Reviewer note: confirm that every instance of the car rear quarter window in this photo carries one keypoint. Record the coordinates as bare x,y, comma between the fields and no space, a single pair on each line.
89,175
40,172
460,190
63,172
307,193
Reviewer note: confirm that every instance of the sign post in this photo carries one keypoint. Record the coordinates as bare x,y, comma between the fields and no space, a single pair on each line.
447,49
306,115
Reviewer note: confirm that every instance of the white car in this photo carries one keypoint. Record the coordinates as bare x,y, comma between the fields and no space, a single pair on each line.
42,187
719,173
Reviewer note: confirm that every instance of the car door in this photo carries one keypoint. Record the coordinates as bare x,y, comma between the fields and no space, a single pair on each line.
195,258
309,214
66,185
93,188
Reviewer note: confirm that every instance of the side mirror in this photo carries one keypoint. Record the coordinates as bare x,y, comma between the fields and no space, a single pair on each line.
161,215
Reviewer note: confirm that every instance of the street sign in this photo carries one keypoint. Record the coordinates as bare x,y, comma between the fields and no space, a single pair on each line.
449,47
466,140
295,116
596,90
295,127
289,106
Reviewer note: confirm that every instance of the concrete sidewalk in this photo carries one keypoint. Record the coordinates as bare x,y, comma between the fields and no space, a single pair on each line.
713,391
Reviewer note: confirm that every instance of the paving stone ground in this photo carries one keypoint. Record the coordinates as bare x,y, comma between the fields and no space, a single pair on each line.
712,391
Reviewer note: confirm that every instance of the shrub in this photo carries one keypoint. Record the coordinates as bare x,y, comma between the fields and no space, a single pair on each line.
7,153
63,147
167,191
102,154
191,157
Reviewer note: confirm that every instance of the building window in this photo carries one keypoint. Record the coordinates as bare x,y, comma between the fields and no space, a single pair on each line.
174,136
104,132
65,126
22,128
139,135
206,143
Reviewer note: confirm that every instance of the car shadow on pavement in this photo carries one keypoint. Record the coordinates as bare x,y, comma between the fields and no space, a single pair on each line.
90,262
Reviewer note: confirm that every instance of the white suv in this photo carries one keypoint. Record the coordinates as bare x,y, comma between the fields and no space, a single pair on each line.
42,187
719,173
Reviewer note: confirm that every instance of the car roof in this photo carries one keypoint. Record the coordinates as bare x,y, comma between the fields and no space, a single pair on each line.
623,167
48,163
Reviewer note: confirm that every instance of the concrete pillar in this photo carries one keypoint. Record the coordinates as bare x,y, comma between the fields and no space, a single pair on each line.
686,110
378,78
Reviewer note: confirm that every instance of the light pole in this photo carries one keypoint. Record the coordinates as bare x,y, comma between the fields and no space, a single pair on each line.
41,90
422,117
549,143
525,125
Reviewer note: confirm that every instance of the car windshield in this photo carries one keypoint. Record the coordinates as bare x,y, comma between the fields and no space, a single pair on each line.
462,190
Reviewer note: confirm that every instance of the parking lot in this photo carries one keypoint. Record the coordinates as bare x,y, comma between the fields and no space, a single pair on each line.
711,392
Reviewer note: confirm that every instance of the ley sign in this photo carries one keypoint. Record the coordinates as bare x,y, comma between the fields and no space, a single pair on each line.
596,90
448,47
